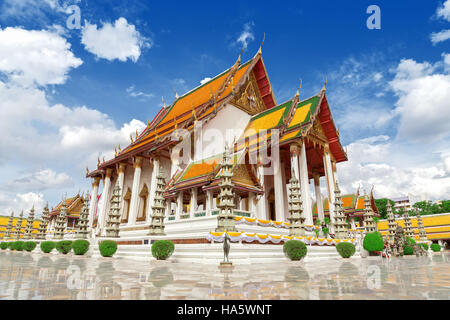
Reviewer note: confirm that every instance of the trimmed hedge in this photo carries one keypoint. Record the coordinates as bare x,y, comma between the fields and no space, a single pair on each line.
64,246
107,248
295,249
410,241
436,247
424,246
29,246
18,245
408,250
80,247
47,246
162,249
373,242
11,245
4,245
346,249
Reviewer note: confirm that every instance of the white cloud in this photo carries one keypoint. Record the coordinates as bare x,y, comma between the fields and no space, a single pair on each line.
246,35
205,80
29,57
372,161
132,92
41,180
440,36
120,41
444,11
423,101
21,201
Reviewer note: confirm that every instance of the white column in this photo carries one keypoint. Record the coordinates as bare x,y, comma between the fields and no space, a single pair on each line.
251,204
106,195
304,185
93,202
330,184
278,187
179,205
261,212
152,190
134,201
352,222
319,200
285,192
294,160
121,178
193,202
209,202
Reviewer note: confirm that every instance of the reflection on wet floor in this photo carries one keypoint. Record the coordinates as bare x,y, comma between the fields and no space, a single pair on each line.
46,276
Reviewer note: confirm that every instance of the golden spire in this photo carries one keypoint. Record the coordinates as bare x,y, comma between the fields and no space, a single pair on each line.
156,134
137,133
262,43
324,84
131,137
148,123
98,162
87,170
120,150
239,58
298,90
103,159
115,152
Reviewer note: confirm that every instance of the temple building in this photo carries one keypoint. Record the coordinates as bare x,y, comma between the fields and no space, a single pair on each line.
73,205
185,142
353,205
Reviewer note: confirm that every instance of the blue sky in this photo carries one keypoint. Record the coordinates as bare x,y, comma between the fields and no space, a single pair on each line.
376,80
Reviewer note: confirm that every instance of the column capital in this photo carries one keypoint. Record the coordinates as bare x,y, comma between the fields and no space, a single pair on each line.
96,182
326,148
122,167
316,176
138,161
294,148
108,173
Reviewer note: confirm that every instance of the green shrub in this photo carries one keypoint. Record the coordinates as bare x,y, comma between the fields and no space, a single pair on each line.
424,246
346,249
294,249
47,246
18,245
373,242
410,241
64,246
325,230
11,245
162,249
80,247
29,246
4,245
107,248
408,250
436,247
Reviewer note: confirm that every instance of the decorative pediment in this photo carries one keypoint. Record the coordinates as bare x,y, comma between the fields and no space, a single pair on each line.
248,98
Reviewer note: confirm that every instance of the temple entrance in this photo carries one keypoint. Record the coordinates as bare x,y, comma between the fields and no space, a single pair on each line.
271,201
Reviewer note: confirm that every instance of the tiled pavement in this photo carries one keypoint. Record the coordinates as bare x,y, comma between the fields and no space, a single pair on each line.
36,275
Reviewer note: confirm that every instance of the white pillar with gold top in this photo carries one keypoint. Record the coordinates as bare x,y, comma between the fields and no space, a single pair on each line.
278,186
261,212
319,200
179,205
330,184
209,202
93,202
121,178
251,204
134,201
105,200
193,202
304,185
295,151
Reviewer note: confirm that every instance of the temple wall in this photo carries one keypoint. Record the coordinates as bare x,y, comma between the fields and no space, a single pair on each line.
146,178
127,184
230,122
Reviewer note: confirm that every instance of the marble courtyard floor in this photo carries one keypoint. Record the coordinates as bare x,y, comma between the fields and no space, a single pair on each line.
53,276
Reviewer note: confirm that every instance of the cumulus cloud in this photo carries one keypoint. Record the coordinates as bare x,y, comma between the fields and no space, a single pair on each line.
437,37
29,57
444,11
119,41
132,92
41,180
21,201
205,80
246,35
423,92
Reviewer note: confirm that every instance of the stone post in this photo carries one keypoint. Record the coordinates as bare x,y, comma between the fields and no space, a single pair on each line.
369,223
61,222
340,224
83,221
43,225
409,233
29,226
18,229
157,217
225,218
8,234
296,219
113,221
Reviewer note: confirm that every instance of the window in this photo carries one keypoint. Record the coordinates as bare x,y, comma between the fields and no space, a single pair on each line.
143,197
126,206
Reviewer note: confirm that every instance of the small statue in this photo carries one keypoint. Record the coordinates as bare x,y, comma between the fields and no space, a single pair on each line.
226,248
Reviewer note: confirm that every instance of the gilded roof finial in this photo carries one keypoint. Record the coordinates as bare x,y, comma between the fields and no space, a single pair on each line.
176,124
298,90
232,83
176,94
239,58
262,43
193,111
98,162
164,103
148,123
115,152
324,84
120,150
103,159
87,170
131,137
137,133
